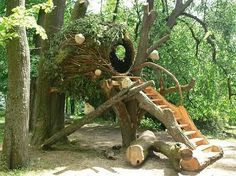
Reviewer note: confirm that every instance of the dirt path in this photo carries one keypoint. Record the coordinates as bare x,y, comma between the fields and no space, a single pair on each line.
86,158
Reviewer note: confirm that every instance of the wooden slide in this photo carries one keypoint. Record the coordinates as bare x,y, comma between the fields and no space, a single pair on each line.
204,153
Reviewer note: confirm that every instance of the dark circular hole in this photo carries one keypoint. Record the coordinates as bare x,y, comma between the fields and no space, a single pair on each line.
122,56
138,161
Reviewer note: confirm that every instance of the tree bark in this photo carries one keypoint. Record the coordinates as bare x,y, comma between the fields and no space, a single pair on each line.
128,131
47,117
80,9
32,104
15,144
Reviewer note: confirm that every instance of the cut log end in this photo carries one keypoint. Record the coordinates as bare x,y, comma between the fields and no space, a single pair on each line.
190,165
135,155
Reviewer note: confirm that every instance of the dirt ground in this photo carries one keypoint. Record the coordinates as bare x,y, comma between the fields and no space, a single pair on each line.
86,158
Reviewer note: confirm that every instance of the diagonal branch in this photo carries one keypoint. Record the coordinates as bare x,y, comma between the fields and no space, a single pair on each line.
126,93
210,38
157,44
197,40
185,88
178,10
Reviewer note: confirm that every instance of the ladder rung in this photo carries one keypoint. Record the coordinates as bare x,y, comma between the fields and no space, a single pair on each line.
189,132
157,100
163,106
204,147
183,125
151,94
195,140
178,118
149,88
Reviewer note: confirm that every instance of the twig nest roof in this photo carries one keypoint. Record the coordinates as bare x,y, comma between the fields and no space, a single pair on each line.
154,55
79,38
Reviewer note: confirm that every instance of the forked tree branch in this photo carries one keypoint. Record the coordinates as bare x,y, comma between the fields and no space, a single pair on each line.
185,88
210,38
180,7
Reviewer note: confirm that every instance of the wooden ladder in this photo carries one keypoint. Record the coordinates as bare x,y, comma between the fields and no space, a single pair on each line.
204,153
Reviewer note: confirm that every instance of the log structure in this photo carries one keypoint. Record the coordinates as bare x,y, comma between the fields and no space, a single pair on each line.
139,149
180,156
137,152
85,53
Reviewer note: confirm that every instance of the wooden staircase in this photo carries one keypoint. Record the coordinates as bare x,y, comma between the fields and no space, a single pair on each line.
179,125
181,116
204,153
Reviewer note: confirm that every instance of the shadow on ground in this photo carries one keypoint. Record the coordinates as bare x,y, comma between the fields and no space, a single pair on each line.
86,157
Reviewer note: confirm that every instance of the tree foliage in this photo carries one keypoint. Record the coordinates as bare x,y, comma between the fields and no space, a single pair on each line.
22,17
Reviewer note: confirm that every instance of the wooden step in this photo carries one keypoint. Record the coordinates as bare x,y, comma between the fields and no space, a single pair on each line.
177,118
195,140
163,106
189,132
206,147
157,100
151,94
183,125
149,88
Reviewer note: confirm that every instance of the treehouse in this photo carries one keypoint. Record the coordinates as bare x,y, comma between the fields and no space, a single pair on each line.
83,59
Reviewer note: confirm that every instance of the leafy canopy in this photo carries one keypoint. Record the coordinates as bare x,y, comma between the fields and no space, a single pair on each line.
22,17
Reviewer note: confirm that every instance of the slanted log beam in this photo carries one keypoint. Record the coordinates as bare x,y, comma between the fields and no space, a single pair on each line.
166,117
125,93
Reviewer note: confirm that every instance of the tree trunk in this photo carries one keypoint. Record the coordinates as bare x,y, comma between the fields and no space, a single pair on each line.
42,109
72,106
15,144
57,112
128,129
128,132
32,104
48,104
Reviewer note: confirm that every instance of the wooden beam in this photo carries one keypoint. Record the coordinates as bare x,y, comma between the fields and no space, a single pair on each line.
125,93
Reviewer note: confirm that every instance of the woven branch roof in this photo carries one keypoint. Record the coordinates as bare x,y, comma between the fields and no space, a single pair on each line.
69,60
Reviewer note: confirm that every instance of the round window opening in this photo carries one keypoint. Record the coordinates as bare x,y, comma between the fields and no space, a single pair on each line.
120,52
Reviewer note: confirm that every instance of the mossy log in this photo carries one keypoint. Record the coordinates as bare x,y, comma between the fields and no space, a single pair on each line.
139,149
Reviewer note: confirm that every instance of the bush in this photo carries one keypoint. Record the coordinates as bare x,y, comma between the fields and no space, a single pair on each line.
150,124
